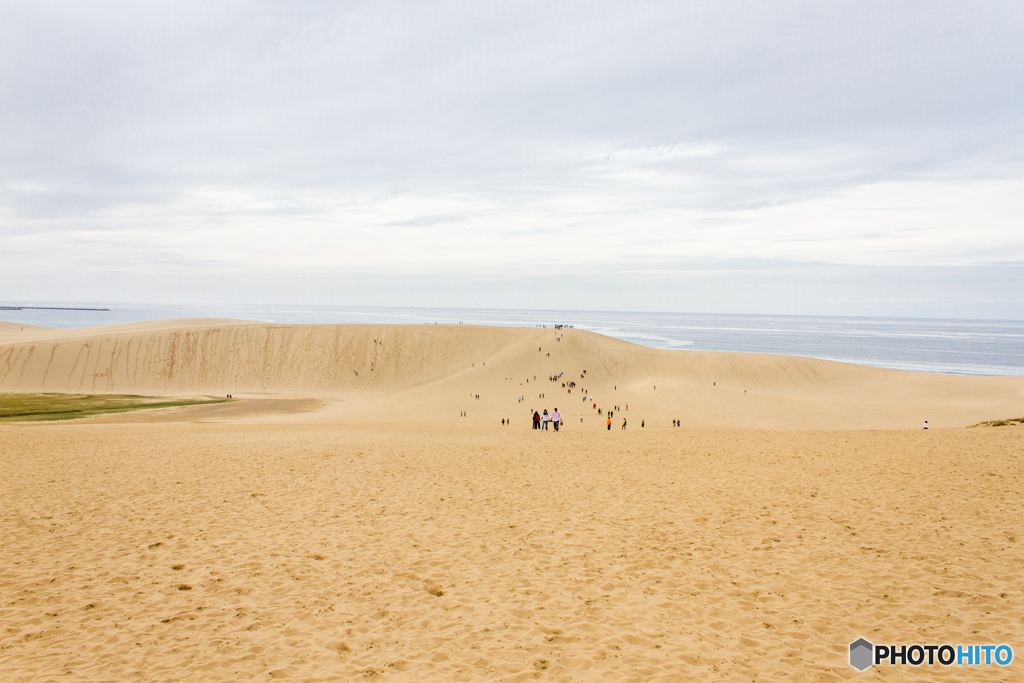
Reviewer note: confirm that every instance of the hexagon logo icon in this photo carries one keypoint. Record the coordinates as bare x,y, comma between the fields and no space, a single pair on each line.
861,654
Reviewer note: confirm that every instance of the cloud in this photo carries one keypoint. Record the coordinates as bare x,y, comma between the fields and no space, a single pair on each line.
464,139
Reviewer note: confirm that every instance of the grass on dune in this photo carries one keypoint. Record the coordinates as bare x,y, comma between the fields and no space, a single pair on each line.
44,407
1001,423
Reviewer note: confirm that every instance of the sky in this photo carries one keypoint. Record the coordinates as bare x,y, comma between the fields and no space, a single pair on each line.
845,158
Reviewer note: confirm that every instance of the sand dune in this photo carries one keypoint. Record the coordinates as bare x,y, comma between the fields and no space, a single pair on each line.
414,373
344,523
15,332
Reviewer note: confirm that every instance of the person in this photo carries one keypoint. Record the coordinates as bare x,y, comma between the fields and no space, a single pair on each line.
502,422
581,418
556,417
926,424
609,424
641,424
623,424
536,420
544,419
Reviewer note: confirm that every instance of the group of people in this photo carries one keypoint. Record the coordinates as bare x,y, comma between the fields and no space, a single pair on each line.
541,421
610,422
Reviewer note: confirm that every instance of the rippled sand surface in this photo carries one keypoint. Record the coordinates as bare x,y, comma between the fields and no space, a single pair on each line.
237,551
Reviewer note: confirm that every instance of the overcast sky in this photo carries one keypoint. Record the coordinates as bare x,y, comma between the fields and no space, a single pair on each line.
799,157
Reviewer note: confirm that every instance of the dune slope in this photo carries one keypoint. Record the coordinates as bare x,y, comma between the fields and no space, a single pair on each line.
436,372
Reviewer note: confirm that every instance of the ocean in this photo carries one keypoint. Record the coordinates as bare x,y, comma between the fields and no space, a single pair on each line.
961,347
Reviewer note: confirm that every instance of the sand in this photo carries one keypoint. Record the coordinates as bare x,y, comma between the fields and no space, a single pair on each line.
337,528
429,374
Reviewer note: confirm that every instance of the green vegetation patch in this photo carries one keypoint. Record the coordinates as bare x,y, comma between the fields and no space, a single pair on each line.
1001,423
42,407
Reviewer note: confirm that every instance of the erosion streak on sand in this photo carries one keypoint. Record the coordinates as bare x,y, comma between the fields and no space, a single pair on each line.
246,357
